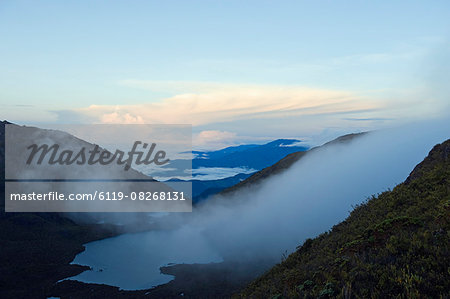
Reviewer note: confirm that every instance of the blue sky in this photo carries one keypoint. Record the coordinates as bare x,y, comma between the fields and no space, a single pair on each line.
120,61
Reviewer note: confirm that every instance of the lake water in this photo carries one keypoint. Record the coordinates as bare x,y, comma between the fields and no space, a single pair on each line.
132,261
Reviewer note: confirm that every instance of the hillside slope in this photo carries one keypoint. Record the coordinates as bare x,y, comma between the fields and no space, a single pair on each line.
395,245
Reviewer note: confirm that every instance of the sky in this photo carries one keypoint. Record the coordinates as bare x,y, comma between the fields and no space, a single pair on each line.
238,71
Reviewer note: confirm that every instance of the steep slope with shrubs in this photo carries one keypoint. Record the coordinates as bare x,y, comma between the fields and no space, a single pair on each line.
395,245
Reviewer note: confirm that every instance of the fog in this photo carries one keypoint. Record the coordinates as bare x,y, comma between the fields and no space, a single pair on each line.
315,193
271,219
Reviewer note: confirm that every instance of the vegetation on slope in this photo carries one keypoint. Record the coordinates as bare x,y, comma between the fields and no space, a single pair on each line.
395,245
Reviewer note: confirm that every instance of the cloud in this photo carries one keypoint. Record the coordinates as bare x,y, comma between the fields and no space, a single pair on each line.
367,119
213,139
315,193
268,219
121,118
298,143
225,114
217,173
201,103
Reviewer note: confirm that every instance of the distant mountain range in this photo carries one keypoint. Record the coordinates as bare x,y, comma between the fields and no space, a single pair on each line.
214,171
230,161
251,156
286,162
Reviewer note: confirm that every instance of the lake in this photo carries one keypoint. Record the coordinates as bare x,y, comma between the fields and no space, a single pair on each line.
132,261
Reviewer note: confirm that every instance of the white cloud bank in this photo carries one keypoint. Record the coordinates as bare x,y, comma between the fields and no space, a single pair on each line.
224,114
213,103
